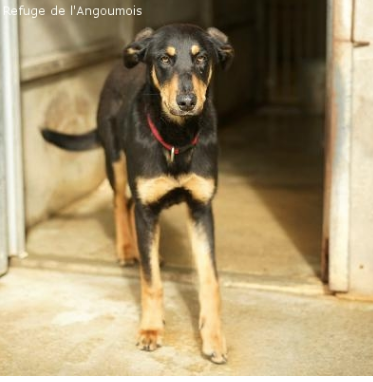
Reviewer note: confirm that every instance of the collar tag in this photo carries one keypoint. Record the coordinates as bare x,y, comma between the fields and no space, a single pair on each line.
172,155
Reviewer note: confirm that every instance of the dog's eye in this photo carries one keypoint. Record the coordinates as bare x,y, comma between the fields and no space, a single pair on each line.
165,59
201,59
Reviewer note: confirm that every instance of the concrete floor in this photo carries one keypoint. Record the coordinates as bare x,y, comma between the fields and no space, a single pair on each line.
69,309
55,323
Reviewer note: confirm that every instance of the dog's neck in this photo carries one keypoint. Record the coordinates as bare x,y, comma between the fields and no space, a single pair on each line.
175,134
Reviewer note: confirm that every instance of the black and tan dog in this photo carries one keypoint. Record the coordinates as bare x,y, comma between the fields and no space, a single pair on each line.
157,125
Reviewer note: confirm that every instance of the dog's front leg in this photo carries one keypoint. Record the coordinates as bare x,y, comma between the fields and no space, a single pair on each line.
201,228
151,327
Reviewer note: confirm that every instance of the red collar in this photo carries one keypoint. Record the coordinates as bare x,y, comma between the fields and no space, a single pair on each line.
173,149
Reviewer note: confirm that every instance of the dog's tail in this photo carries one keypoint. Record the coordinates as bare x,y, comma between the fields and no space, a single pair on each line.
71,142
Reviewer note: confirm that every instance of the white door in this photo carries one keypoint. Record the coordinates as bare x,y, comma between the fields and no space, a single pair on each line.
348,206
3,231
338,140
3,213
361,180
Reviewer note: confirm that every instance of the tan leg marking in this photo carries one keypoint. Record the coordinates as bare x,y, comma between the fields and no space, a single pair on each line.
213,340
202,189
133,231
151,328
125,249
150,190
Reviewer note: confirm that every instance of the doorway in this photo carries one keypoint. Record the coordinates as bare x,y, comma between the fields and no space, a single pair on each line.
268,209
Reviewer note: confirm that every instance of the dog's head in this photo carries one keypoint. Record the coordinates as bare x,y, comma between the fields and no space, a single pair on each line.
181,60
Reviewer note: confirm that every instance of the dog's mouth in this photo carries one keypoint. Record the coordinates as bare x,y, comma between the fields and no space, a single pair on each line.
181,113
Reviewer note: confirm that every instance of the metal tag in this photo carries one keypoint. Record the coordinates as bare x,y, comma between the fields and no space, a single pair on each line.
172,155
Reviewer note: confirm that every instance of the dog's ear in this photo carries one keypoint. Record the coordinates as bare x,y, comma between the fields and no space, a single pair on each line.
135,52
222,46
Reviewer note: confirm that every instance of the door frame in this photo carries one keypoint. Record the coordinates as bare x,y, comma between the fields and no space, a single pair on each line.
3,214
336,224
12,225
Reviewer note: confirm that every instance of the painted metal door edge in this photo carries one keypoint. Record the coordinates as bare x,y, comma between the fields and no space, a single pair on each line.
11,119
340,119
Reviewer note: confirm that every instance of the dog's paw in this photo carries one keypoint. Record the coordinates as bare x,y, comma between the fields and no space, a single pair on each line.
128,261
149,340
214,348
213,344
127,256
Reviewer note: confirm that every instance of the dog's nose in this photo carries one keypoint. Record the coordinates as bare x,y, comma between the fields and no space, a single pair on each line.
186,102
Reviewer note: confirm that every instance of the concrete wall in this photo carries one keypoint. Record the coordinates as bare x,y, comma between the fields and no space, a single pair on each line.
47,35
361,209
66,102
64,62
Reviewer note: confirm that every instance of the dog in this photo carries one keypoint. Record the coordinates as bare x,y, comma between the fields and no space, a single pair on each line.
158,127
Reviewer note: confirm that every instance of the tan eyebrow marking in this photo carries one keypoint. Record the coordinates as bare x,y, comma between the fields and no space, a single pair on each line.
171,50
195,49
132,51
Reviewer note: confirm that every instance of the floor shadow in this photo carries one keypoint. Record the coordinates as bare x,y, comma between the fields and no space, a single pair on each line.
174,242
103,215
281,158
189,297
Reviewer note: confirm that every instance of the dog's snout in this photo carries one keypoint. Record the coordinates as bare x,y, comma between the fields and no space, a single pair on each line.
186,102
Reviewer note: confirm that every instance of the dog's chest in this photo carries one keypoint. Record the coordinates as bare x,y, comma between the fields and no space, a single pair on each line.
151,190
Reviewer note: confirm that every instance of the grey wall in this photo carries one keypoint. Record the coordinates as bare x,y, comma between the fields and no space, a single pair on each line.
66,102
64,63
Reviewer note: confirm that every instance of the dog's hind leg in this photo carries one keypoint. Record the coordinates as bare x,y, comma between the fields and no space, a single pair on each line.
131,209
126,247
